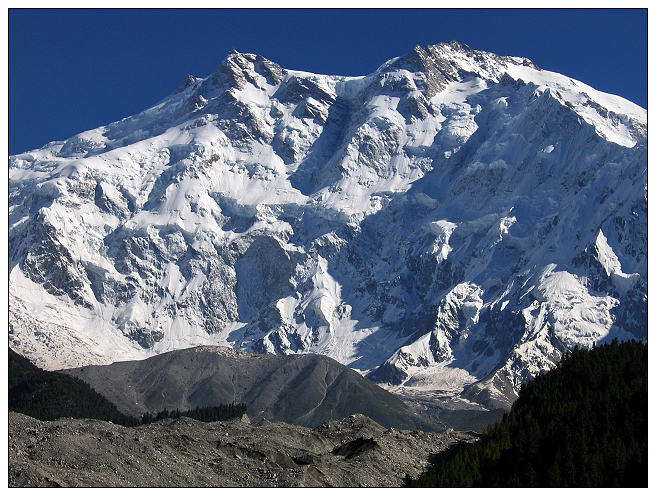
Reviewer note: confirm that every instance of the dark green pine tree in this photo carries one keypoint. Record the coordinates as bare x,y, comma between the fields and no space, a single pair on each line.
583,424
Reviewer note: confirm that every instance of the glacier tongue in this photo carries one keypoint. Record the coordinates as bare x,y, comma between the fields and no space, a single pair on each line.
454,221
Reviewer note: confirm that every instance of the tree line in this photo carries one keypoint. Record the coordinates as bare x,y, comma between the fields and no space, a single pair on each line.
202,413
47,395
582,424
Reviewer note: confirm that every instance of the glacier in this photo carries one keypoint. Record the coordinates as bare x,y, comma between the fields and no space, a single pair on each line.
453,222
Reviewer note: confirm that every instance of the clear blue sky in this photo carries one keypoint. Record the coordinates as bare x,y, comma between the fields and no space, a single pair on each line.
71,70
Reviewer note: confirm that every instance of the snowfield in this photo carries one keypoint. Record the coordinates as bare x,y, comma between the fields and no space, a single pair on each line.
453,222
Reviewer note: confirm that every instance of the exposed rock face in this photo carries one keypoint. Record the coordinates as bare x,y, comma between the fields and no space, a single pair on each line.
300,389
352,452
453,222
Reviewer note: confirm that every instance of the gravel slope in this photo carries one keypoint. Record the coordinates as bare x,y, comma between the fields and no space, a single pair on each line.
352,452
304,389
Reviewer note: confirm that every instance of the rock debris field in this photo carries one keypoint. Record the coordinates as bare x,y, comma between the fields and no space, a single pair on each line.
352,452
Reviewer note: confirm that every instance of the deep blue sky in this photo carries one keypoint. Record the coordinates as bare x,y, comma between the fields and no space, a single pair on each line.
72,70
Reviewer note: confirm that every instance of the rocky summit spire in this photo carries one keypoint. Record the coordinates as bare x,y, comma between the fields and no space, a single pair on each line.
188,81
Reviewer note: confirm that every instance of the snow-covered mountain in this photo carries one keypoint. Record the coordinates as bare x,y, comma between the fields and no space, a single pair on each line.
452,222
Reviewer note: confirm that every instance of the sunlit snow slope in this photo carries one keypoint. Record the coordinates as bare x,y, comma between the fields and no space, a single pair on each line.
454,221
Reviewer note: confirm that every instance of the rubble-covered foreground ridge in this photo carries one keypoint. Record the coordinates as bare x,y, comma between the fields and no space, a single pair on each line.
352,452
453,221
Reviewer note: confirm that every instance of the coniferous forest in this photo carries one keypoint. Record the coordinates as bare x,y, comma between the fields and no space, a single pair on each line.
202,413
583,424
47,395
